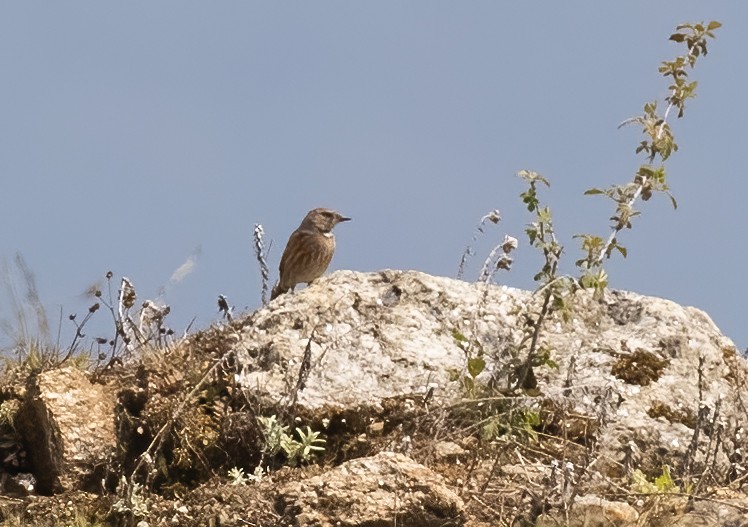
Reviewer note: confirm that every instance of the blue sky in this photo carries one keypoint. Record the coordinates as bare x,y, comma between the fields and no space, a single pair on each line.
135,135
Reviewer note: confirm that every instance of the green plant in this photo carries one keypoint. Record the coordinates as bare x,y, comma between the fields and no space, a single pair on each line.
662,484
278,439
521,421
274,433
658,145
474,361
237,476
648,179
554,290
304,450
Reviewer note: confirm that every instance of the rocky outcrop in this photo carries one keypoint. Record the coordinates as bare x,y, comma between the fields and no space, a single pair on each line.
630,405
371,337
638,374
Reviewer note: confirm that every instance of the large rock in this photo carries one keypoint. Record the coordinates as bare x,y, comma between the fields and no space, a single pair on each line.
637,375
68,426
371,336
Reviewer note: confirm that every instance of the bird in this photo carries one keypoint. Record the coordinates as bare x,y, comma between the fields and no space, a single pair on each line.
309,250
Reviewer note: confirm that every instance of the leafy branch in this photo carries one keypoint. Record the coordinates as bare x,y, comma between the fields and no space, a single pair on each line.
658,144
554,288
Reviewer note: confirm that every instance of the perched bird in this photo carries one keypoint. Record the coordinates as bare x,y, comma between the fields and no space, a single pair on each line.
308,251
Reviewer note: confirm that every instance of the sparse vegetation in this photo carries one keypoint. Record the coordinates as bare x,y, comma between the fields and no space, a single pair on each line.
132,500
555,294
30,342
185,417
278,439
659,144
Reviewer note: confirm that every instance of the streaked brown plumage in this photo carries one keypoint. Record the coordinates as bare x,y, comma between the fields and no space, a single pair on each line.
308,251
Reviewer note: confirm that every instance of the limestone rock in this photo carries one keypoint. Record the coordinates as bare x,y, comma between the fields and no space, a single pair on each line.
386,489
448,451
627,367
371,336
68,426
591,511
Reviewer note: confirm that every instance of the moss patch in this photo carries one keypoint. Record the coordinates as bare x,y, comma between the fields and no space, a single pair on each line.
641,367
674,415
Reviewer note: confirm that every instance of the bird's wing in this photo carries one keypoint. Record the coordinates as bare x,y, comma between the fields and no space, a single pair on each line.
292,252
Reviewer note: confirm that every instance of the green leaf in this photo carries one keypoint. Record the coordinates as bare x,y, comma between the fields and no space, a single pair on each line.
665,483
491,429
475,366
646,171
532,233
459,337
545,216
672,200
677,37
621,249
713,25
532,418
593,191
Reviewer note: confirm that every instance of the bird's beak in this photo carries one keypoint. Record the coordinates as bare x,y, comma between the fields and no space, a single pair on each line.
343,218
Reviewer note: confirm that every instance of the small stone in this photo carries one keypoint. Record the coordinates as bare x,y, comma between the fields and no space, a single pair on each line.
376,428
448,451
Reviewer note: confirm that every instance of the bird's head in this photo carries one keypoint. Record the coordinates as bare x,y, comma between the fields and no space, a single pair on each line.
322,220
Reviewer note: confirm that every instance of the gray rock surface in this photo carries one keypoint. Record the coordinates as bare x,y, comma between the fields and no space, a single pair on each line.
628,366
372,336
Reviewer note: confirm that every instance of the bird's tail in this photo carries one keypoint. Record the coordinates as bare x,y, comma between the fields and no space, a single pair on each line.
277,291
